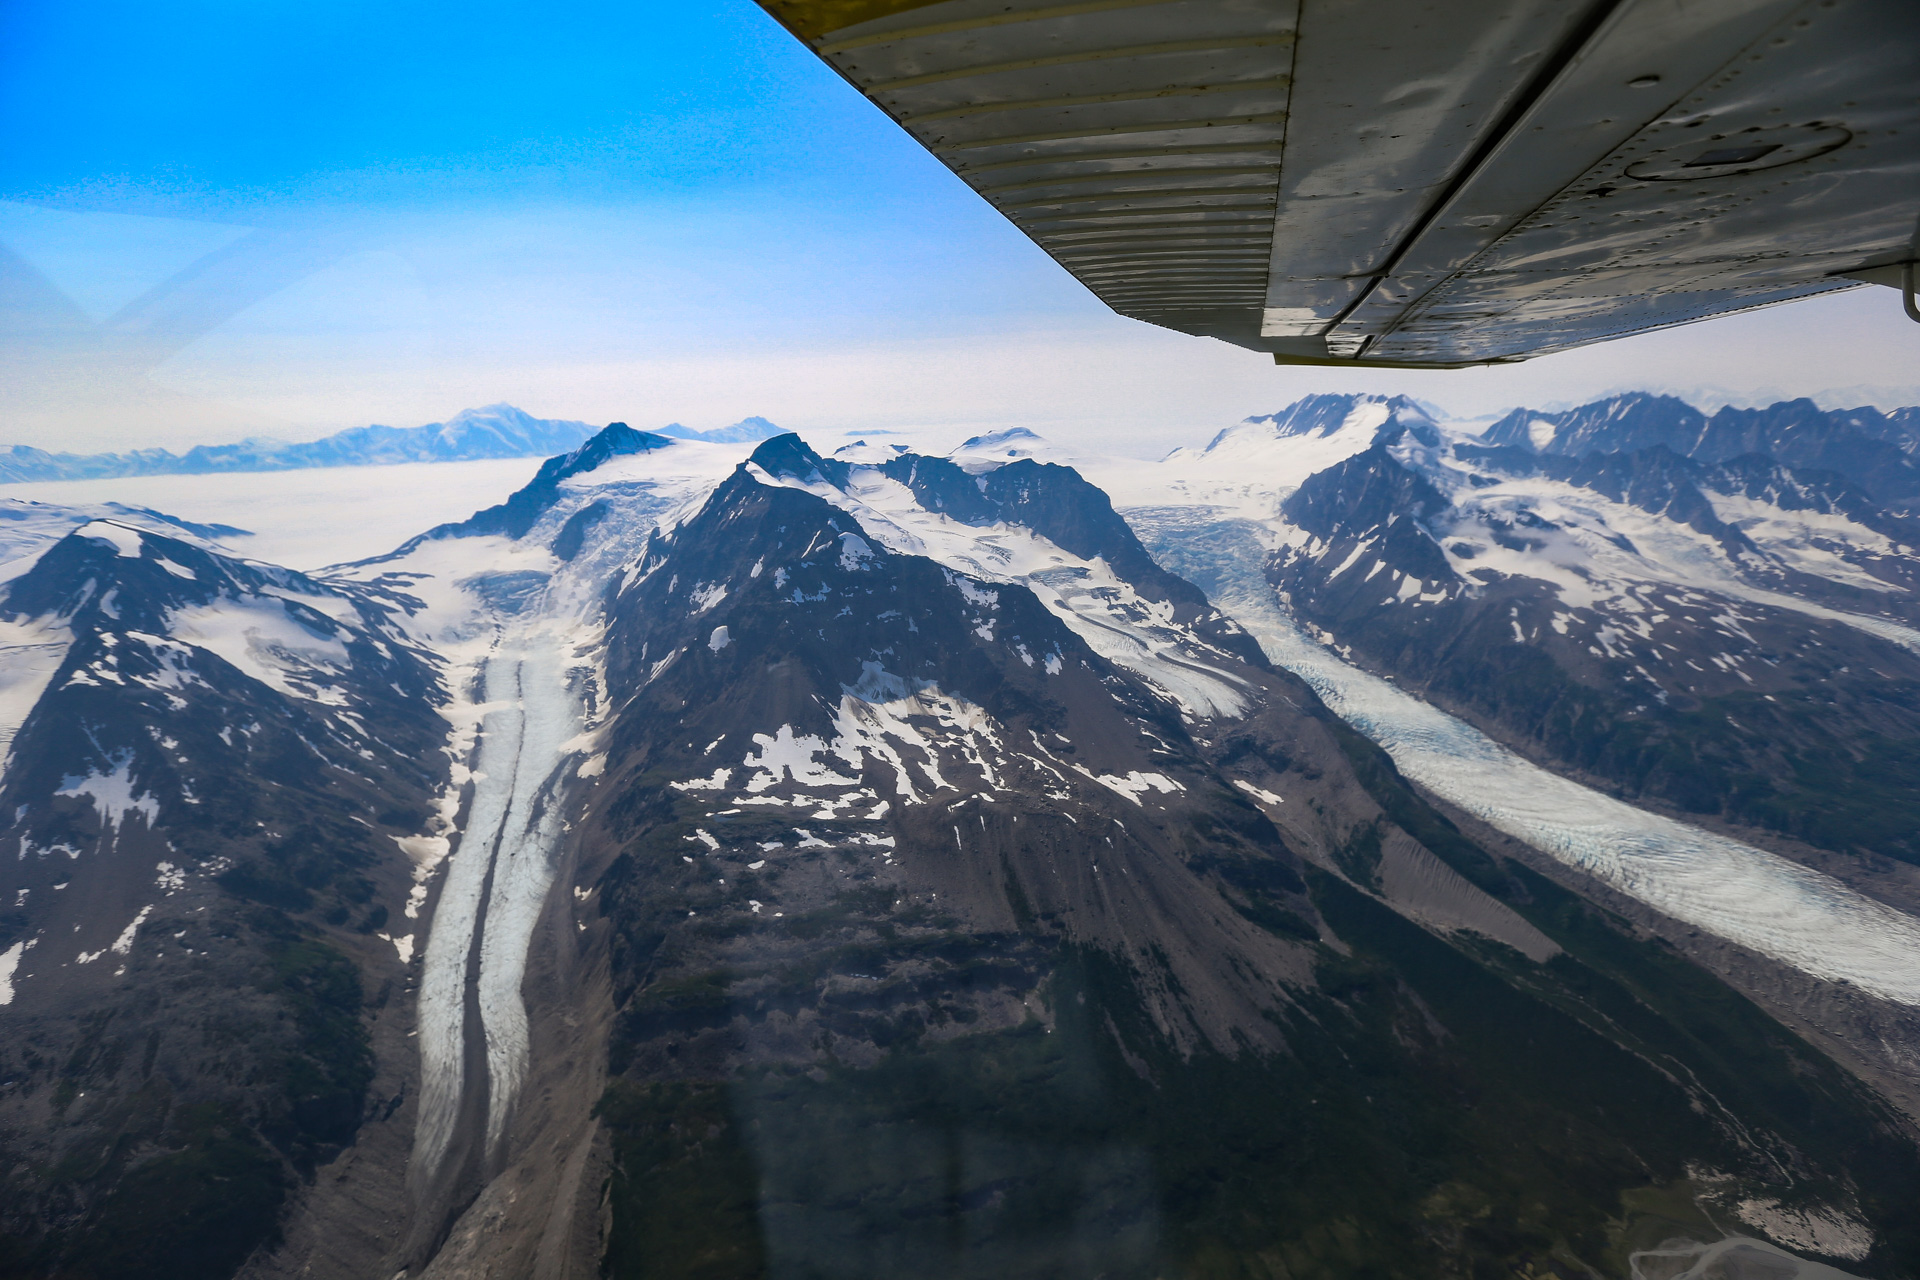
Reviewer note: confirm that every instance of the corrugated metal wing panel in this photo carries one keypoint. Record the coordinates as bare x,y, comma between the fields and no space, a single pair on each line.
1426,182
1138,143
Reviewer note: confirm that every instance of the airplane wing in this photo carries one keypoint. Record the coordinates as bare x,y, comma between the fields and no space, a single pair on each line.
1426,183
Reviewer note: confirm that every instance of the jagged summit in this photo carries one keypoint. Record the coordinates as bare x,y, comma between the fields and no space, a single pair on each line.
1873,450
788,457
1635,420
909,498
1326,415
518,513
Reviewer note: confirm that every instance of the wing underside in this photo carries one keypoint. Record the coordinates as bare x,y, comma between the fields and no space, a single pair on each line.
1423,182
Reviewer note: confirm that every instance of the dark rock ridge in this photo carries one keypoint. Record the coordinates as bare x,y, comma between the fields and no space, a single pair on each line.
1053,501
1754,712
1373,495
201,808
1664,483
1874,450
829,617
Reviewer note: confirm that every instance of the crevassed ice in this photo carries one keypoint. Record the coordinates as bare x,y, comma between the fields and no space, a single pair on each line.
1760,900
535,663
523,868
500,873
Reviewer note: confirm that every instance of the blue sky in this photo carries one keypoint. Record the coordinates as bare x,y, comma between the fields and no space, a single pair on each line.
234,218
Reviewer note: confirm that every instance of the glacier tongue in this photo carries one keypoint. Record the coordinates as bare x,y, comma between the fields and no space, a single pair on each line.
521,638
498,878
1760,900
536,677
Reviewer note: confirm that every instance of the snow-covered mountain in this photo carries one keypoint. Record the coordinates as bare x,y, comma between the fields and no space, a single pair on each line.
1734,639
1248,467
495,431
1730,641
746,431
1872,449
546,896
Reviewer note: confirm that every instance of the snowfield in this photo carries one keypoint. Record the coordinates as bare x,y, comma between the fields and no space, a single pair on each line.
1098,606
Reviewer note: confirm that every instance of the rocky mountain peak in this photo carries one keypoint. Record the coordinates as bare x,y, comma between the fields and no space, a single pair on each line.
1870,449
1365,492
1051,500
1326,415
113,573
1636,420
523,509
788,457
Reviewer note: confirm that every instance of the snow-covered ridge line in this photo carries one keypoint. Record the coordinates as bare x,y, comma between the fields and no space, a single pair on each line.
1663,551
496,431
1097,605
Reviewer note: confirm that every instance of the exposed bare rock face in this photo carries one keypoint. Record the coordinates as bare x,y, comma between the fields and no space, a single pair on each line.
200,1010
1872,449
867,1042
815,867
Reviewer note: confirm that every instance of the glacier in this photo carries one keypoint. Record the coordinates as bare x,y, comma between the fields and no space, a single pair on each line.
1760,900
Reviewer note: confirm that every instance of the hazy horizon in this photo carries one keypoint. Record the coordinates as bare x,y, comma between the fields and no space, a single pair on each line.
1152,442
211,230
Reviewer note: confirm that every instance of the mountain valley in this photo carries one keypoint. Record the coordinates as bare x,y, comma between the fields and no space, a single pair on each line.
725,858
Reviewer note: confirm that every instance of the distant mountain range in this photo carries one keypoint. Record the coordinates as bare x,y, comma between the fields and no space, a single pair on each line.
495,431
745,431
1874,450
